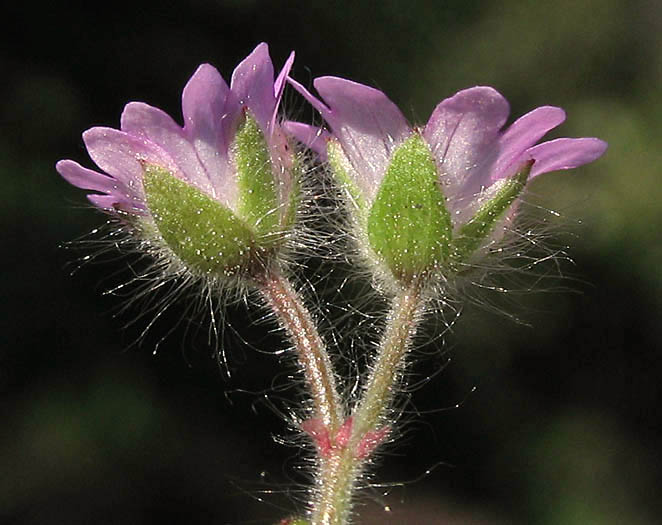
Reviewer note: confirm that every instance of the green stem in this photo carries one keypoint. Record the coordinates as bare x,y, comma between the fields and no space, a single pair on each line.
311,352
339,473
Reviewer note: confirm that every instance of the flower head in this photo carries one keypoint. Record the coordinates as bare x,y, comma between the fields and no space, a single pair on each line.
427,198
217,193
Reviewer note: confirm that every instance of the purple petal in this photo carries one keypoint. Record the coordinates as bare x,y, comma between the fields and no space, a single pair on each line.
118,196
522,134
204,100
114,203
564,154
253,85
462,133
108,202
368,125
279,86
210,113
312,136
311,99
122,155
156,126
84,178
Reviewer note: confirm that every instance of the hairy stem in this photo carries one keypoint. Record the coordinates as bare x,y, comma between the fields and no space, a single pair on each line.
311,352
403,321
339,473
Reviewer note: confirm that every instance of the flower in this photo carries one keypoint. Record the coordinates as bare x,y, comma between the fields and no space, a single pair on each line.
427,198
217,193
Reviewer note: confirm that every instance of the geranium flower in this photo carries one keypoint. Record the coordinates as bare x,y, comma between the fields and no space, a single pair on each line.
216,192
427,196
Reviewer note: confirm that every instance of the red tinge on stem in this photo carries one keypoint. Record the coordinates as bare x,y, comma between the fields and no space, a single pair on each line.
317,430
371,440
326,444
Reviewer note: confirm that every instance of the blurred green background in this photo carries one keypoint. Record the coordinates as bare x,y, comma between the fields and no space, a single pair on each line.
558,420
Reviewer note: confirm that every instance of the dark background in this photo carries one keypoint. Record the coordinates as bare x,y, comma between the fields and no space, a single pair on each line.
562,426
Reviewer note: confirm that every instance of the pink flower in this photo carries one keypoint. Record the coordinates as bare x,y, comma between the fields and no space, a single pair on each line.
465,136
217,196
198,153
425,200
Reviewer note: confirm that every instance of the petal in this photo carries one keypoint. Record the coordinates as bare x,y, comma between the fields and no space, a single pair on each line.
564,154
210,114
522,134
126,198
368,125
203,101
312,136
114,203
121,155
158,127
279,86
253,85
107,202
311,99
462,133
84,178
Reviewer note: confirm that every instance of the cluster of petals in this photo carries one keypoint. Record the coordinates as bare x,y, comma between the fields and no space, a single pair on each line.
197,153
465,135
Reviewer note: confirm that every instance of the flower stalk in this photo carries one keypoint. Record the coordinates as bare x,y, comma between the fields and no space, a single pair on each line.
340,472
294,317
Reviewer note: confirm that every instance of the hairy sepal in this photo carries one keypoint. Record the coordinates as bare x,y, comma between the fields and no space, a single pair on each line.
409,227
205,235
474,233
258,194
341,168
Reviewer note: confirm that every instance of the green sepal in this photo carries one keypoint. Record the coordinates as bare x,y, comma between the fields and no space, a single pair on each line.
204,234
471,235
258,195
409,226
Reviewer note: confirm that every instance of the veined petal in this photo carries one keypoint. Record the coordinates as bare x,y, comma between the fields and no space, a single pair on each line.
122,155
521,135
564,154
155,125
210,114
462,134
253,85
203,100
312,136
368,125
